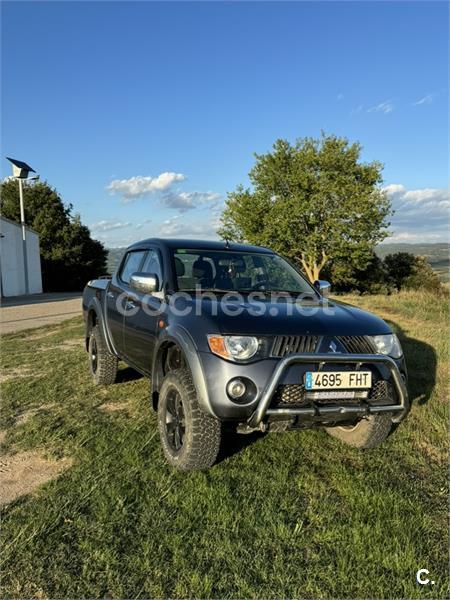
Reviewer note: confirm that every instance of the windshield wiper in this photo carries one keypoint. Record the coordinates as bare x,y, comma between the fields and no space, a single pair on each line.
202,290
270,291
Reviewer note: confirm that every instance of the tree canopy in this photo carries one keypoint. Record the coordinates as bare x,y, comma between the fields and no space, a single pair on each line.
69,256
314,202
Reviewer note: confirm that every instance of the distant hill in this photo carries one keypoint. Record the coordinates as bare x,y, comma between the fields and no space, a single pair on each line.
437,255
114,256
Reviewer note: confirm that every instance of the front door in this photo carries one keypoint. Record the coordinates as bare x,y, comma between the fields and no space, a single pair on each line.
141,317
116,297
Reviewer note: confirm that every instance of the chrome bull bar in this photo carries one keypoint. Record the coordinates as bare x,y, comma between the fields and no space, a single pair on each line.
399,409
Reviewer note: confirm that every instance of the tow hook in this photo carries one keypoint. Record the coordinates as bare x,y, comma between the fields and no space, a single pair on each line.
245,429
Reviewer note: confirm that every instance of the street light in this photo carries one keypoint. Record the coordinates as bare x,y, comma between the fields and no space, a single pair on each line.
20,172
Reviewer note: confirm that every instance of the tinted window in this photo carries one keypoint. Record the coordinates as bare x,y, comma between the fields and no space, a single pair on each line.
152,265
132,263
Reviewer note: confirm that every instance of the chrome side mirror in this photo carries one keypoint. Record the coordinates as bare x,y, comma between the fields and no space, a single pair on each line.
145,282
323,287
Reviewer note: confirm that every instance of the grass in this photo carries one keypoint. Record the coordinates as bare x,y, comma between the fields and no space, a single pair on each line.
283,515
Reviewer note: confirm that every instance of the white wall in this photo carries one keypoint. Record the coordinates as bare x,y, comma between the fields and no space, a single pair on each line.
11,260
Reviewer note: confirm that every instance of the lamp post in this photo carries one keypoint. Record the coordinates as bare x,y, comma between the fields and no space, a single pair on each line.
20,172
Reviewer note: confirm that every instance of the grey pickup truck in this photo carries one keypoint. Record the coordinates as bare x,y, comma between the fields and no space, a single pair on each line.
235,334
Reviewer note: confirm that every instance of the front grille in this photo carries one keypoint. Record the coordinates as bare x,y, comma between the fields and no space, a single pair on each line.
284,345
292,344
357,344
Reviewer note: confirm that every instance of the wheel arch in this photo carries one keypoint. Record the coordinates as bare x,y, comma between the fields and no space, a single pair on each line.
180,340
91,322
95,317
159,369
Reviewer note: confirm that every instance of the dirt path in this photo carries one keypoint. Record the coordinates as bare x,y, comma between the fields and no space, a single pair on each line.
27,312
21,474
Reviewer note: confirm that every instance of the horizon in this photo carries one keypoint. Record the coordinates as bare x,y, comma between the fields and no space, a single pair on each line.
384,243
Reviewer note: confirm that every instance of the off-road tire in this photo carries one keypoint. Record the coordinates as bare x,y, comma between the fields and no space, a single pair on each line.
368,433
202,432
104,367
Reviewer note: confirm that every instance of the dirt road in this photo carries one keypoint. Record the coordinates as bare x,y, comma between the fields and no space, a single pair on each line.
27,312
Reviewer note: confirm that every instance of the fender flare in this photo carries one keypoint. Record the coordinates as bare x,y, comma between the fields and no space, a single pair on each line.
96,307
180,336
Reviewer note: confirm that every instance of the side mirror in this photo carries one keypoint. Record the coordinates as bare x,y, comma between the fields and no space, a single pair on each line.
323,287
145,282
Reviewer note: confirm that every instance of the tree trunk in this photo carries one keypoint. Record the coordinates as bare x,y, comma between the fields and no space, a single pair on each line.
312,267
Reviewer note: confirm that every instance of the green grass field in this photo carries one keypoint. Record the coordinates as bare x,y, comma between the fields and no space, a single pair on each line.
295,515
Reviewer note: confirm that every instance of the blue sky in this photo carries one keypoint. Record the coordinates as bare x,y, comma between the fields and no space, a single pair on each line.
144,114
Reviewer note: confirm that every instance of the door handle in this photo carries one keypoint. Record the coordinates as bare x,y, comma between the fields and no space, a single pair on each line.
110,295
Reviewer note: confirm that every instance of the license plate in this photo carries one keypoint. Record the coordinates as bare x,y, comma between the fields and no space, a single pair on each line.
333,380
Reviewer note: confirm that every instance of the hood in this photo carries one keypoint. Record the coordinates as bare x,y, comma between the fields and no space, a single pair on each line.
280,318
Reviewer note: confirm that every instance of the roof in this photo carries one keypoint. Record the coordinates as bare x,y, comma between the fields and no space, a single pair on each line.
203,245
2,218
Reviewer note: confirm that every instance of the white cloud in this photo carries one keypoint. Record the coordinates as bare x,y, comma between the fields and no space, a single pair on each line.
385,107
108,225
428,99
408,237
139,186
340,97
177,227
183,201
421,215
145,222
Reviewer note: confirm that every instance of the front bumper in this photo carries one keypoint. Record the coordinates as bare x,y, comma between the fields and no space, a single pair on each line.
338,411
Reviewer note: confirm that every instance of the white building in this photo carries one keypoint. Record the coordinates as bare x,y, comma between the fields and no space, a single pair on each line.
12,276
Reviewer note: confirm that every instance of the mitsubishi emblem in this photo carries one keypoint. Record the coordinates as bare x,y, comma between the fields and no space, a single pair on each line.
332,347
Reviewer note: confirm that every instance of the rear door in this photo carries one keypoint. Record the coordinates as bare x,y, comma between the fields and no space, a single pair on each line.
142,316
117,294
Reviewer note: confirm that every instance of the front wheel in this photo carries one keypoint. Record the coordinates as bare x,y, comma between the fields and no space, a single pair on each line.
367,433
190,438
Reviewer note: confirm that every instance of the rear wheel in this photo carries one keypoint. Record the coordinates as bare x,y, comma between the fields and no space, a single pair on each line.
190,438
102,363
367,433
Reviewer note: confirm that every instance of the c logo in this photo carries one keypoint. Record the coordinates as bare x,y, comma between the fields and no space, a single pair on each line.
421,580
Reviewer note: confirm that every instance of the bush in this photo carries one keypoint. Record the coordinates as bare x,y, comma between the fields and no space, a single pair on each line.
398,271
407,271
372,279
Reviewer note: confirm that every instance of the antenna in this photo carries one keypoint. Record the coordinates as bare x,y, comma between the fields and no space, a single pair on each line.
227,243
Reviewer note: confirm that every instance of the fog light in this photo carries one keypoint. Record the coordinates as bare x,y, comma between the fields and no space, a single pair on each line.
236,388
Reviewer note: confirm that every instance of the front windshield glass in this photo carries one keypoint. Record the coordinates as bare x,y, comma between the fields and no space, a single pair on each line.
236,271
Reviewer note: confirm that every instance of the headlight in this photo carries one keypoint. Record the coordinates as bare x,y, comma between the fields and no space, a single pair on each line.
388,344
233,347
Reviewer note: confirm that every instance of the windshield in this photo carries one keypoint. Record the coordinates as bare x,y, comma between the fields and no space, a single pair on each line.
236,271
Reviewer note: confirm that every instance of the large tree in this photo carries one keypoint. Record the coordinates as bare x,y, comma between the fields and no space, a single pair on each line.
69,256
315,202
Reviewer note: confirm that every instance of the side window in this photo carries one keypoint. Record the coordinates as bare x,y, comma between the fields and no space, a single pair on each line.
152,264
131,265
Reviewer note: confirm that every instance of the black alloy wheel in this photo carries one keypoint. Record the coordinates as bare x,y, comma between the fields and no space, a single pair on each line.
175,420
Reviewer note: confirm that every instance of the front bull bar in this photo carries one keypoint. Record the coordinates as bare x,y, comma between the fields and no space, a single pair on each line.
400,409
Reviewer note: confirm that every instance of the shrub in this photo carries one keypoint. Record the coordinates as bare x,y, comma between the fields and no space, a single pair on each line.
411,272
372,279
